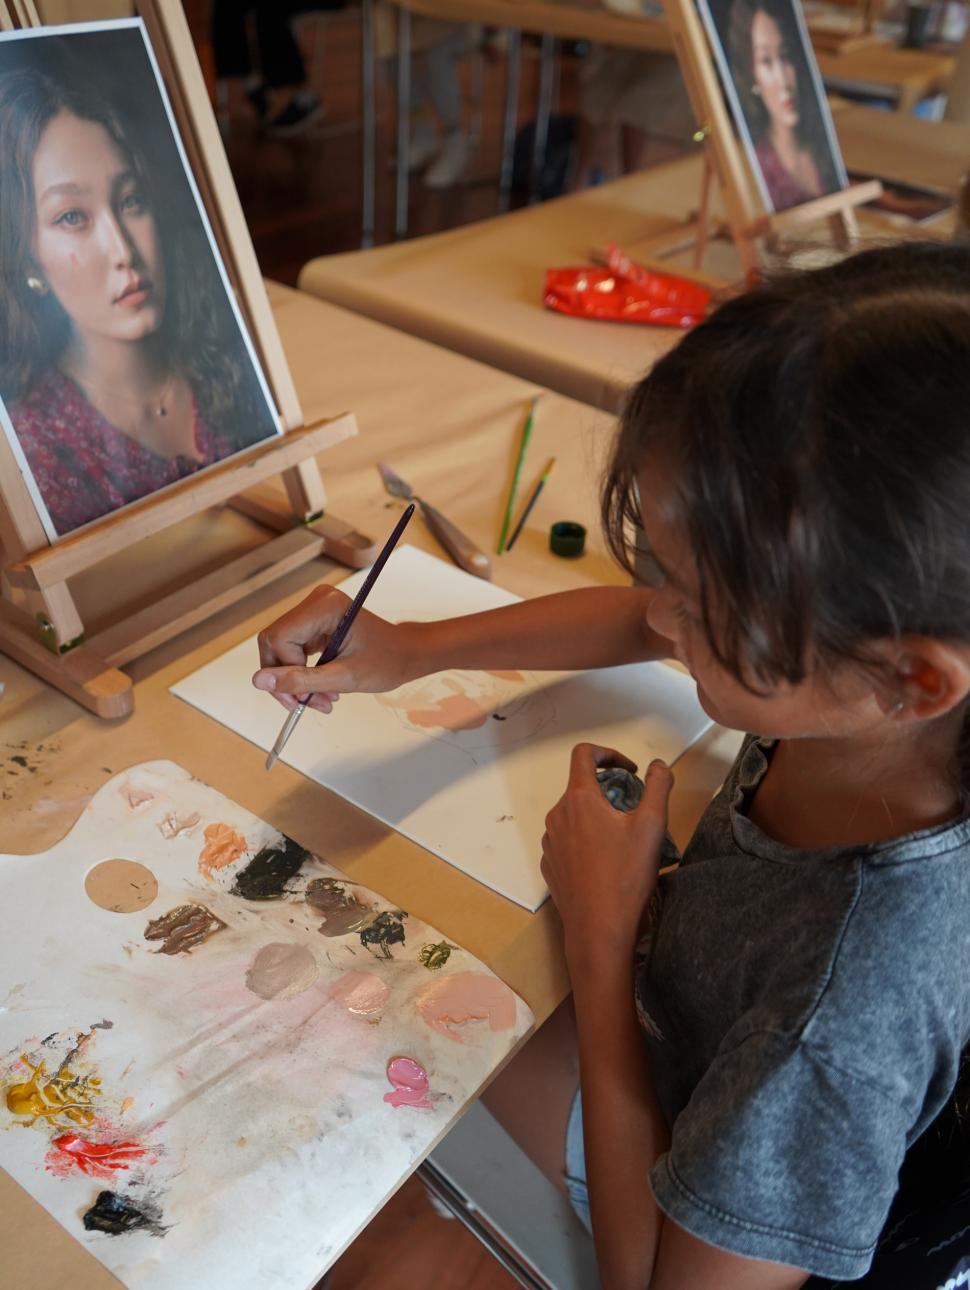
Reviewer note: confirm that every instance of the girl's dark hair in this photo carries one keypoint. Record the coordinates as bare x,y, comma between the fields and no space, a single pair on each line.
196,333
818,432
810,130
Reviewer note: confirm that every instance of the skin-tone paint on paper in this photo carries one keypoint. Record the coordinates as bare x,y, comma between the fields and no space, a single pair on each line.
223,846
121,886
280,971
453,1005
410,1084
362,993
452,701
183,928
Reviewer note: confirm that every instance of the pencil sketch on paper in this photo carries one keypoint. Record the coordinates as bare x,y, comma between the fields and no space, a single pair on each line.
466,764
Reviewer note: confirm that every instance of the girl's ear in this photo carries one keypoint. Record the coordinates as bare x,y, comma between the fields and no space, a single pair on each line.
928,677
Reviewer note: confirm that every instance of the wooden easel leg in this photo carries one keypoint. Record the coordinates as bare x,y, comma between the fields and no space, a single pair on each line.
704,214
80,674
52,609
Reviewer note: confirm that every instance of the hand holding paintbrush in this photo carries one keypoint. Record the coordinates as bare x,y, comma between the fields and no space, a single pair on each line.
340,632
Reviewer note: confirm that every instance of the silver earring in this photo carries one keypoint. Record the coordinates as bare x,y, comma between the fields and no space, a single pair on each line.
756,91
897,708
38,285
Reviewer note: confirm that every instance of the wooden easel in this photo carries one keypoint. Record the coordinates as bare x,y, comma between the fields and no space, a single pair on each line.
748,225
40,626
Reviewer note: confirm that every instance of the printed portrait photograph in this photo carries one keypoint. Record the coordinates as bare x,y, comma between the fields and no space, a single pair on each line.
125,365
775,95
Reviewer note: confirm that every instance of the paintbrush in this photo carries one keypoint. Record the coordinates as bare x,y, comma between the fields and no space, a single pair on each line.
340,632
526,435
529,504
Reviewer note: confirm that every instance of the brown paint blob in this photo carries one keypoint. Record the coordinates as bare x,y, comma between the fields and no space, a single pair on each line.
121,886
282,971
451,1004
342,912
183,928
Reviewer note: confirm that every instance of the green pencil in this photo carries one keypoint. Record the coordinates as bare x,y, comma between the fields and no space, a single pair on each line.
526,433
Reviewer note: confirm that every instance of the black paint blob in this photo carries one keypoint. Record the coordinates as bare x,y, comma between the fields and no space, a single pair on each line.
266,875
113,1214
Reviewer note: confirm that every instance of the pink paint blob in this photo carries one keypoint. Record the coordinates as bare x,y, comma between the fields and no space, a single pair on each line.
362,993
410,1081
136,797
453,1003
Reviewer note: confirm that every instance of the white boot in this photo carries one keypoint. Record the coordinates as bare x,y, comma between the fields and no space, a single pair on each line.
451,163
425,144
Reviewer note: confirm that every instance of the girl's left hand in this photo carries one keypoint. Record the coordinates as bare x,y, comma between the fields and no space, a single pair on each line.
601,864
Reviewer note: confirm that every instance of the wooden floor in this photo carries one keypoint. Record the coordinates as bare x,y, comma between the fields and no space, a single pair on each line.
408,1246
302,198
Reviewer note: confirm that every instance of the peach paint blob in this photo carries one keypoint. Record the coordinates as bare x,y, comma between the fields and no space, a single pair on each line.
452,1004
174,824
362,993
410,1084
223,845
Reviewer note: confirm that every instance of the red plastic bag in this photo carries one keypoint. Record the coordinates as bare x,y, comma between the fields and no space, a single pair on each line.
626,292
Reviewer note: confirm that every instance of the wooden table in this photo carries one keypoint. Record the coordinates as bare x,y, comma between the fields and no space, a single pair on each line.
478,289
452,426
904,75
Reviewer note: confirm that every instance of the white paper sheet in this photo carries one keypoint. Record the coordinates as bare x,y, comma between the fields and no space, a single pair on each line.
475,797
254,1133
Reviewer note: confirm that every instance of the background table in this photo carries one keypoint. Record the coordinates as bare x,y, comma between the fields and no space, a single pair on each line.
452,426
478,289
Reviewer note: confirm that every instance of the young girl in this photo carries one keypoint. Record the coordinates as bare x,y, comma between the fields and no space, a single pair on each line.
766,1030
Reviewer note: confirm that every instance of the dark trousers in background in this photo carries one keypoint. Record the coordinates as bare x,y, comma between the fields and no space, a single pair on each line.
277,56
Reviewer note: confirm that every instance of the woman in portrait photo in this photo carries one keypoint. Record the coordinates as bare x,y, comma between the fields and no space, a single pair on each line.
122,368
778,98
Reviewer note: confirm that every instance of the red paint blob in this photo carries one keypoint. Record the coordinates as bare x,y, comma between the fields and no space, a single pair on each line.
410,1081
70,1153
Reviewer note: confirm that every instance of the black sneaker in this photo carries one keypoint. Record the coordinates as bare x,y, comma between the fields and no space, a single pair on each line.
259,100
298,115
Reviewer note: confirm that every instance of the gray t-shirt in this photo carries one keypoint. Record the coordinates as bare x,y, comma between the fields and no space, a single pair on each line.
804,1013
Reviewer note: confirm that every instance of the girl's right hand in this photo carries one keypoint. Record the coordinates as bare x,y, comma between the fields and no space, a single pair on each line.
376,655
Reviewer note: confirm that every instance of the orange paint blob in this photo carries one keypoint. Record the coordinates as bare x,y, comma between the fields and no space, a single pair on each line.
515,677
223,845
